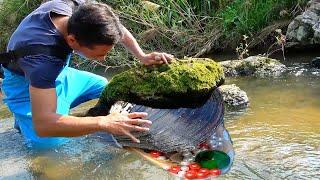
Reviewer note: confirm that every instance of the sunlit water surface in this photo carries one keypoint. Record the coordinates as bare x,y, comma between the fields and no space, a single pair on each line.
277,137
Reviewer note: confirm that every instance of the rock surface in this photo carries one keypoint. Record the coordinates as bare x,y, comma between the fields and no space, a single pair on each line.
254,65
233,96
305,28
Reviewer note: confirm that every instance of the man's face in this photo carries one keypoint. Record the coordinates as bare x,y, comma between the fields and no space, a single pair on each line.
96,52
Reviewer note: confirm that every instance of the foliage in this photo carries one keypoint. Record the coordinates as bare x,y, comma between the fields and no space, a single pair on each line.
243,49
248,16
11,13
180,27
185,27
281,41
117,58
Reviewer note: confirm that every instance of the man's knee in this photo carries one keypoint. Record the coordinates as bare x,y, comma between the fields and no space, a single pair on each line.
100,84
25,125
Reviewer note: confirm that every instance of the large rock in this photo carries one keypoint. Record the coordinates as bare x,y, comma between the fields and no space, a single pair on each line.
254,65
234,97
183,83
305,28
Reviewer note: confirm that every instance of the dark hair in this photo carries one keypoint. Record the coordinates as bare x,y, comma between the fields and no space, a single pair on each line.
95,24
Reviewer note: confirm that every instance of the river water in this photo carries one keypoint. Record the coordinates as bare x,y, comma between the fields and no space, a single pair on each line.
277,137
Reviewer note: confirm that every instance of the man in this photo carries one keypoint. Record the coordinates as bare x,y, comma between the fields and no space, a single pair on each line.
40,88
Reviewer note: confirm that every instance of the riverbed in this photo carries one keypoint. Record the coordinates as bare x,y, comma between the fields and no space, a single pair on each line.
277,137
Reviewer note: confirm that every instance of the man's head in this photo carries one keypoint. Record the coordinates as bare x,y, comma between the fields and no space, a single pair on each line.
93,29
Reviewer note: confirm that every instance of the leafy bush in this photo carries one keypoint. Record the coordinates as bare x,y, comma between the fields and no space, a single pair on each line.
11,13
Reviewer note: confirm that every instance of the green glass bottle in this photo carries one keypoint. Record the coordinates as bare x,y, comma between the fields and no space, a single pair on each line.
213,159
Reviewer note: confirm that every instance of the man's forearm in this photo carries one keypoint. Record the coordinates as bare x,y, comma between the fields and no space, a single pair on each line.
55,125
130,43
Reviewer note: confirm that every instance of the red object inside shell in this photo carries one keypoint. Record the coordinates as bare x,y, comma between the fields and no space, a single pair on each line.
155,154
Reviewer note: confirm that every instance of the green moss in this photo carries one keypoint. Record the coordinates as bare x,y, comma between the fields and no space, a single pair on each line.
190,78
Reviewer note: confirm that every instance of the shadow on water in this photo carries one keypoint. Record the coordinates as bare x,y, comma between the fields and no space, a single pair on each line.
277,137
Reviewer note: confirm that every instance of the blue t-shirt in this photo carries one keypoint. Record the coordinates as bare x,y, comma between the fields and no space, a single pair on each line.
37,28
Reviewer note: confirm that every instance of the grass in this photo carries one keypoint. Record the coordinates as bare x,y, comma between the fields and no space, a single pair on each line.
185,27
180,27
250,16
169,26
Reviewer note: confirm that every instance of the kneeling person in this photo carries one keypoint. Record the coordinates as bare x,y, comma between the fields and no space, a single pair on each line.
39,87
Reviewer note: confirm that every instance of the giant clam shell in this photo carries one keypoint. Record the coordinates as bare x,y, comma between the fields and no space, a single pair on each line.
175,129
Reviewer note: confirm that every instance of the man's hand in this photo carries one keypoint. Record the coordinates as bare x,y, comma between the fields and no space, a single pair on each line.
124,124
131,44
156,58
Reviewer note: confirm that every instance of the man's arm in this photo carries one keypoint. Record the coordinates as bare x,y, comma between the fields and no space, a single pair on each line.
132,45
47,123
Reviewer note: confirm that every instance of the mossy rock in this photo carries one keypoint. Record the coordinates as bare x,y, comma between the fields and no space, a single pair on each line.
183,83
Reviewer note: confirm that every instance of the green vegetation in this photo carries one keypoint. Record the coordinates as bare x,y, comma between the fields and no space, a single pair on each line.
157,84
185,27
180,27
250,16
11,13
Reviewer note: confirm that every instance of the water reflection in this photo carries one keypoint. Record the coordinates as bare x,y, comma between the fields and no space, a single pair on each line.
277,137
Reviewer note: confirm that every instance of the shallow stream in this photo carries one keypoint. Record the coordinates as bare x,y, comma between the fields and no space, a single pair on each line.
277,137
